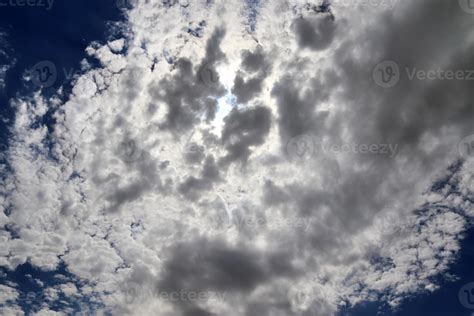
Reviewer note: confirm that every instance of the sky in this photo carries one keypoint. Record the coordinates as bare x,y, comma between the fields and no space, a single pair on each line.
237,157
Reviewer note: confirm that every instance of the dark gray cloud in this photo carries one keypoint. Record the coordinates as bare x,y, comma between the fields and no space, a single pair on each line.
248,83
315,32
400,115
187,93
273,195
297,111
406,113
254,61
246,90
211,265
244,129
118,194
131,152
192,188
194,153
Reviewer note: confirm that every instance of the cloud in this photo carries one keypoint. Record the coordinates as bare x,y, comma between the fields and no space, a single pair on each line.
189,90
125,188
256,64
316,33
244,129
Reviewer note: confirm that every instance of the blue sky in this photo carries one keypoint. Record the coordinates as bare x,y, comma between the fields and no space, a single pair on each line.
59,35
445,301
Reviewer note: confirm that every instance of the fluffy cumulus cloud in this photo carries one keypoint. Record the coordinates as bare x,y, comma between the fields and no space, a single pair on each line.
237,158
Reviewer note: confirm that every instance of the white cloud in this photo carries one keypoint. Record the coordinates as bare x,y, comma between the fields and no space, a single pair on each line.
105,197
